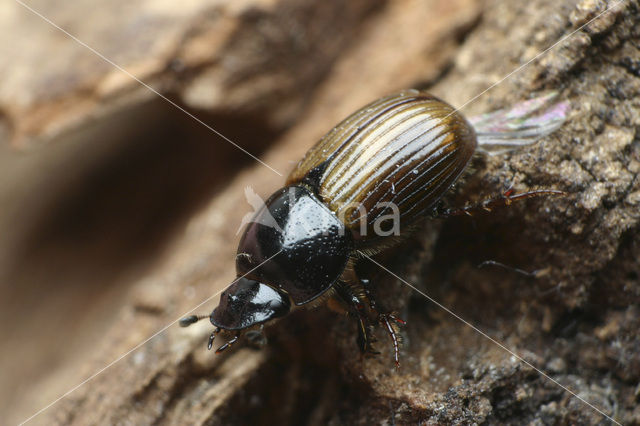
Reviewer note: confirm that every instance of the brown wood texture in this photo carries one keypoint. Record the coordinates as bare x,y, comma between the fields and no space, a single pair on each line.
120,213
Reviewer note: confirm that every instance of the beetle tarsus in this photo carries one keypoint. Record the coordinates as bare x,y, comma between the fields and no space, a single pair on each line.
366,286
357,308
395,319
228,344
365,339
389,320
214,333
504,200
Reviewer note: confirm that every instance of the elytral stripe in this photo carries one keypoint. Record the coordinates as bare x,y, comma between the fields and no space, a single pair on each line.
381,151
443,181
431,171
414,150
330,145
393,172
380,139
343,163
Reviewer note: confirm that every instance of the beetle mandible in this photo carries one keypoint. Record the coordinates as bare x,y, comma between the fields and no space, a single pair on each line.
393,159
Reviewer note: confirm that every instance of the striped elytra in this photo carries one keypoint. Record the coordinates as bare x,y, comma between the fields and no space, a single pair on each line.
406,149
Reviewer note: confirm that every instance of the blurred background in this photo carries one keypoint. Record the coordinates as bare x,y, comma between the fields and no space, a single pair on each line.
118,210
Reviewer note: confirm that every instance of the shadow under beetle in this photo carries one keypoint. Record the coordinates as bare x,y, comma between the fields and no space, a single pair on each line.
389,162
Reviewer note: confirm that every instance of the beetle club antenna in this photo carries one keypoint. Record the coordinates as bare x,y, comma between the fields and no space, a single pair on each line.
191,319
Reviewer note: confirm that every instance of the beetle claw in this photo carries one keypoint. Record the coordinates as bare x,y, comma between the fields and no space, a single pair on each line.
396,319
214,333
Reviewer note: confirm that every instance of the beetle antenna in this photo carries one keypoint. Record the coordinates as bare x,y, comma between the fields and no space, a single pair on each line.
191,319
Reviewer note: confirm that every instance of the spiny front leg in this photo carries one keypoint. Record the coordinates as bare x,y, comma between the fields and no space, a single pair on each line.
357,308
388,320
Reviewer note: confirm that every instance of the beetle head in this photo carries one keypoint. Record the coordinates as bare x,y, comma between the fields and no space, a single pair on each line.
244,304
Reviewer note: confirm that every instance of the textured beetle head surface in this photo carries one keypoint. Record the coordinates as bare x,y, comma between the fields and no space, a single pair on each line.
247,303
244,306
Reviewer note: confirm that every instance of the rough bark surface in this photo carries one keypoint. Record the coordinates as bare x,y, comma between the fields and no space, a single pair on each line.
576,318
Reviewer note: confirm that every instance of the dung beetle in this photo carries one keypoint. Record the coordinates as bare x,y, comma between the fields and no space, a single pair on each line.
365,185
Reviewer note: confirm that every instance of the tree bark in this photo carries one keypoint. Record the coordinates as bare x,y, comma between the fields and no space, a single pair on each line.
575,317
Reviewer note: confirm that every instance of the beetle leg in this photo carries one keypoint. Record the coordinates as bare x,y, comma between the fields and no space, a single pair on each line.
233,340
390,322
214,333
366,287
357,308
488,205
